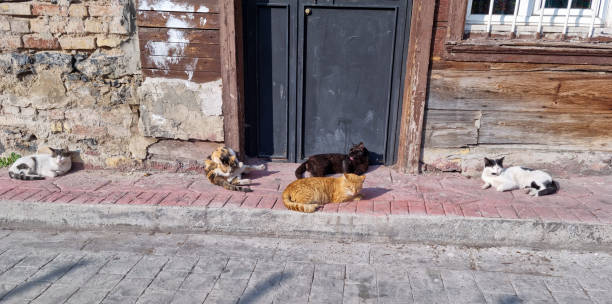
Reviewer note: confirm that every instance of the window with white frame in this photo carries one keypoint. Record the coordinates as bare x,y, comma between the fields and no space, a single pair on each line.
584,18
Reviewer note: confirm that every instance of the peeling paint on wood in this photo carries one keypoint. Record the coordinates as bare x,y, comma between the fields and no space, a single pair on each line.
189,6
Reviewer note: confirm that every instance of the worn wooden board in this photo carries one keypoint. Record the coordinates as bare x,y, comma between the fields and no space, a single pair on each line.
181,63
516,67
415,86
189,6
232,73
591,131
157,48
521,91
179,35
195,76
442,11
451,128
178,20
457,10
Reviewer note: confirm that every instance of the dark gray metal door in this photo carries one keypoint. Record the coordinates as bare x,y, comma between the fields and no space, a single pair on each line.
322,75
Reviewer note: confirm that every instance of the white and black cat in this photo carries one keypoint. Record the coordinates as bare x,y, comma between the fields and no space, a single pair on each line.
40,166
536,182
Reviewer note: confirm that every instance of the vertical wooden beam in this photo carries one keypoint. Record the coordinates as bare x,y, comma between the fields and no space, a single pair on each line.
232,74
415,85
457,11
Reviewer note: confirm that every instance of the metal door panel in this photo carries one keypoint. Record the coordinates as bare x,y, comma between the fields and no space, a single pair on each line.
269,84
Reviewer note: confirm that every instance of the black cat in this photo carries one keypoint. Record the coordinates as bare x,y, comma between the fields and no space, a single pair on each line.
356,161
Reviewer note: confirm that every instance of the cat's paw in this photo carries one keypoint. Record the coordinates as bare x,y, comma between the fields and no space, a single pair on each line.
500,189
260,167
358,197
528,191
245,181
485,186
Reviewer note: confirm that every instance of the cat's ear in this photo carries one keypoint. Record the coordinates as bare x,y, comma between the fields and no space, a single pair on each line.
362,178
500,161
361,144
345,176
488,162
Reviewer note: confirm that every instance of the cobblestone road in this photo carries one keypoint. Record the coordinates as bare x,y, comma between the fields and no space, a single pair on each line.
97,267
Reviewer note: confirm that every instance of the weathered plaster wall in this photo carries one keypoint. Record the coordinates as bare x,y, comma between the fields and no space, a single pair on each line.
71,76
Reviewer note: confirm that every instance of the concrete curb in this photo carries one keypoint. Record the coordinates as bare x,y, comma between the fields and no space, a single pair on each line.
482,232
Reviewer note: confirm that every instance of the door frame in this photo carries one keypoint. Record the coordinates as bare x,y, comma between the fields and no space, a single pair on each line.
414,93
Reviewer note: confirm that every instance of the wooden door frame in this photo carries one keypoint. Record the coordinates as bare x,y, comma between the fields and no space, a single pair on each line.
413,97
232,74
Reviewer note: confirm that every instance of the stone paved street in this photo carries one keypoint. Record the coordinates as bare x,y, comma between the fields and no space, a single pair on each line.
113,267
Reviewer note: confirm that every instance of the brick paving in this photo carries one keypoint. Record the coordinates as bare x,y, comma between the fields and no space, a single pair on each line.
121,267
386,193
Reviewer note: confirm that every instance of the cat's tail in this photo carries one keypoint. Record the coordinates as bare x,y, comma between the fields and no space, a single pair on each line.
221,181
229,186
22,176
550,187
301,207
299,172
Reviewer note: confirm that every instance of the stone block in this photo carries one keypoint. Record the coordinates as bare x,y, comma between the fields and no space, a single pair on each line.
57,25
48,91
57,127
77,10
119,26
117,162
75,25
118,121
180,109
87,131
95,25
28,112
11,42
182,150
105,10
20,25
41,42
77,43
19,9
10,109
139,144
111,66
4,24
40,25
109,41
47,9
54,60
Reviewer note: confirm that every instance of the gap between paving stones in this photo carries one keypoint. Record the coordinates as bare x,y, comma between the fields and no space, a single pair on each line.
480,232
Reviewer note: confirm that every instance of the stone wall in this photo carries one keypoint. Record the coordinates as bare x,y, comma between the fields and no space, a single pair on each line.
70,76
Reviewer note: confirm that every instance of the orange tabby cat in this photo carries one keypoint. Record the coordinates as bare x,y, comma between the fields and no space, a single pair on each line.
308,194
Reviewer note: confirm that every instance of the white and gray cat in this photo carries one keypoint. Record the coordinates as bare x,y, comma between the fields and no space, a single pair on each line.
536,182
40,166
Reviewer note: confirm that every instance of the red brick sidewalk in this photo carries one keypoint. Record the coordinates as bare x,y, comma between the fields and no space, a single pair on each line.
581,199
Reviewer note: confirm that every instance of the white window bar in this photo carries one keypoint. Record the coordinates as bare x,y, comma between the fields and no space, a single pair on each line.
594,9
567,15
542,6
491,4
516,7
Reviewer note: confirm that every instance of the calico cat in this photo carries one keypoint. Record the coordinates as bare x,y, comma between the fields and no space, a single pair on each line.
536,182
319,165
308,194
223,169
40,166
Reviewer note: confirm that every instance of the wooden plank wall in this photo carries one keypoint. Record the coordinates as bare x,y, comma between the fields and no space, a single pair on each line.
502,104
180,39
